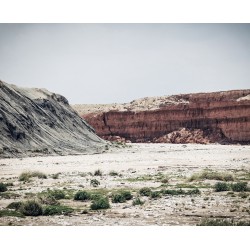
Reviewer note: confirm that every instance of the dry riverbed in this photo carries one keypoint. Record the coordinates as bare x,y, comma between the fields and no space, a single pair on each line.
179,182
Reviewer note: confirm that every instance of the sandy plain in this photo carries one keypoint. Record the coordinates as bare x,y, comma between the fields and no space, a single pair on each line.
158,166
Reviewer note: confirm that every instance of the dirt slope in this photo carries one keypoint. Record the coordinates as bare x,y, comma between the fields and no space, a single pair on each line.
36,121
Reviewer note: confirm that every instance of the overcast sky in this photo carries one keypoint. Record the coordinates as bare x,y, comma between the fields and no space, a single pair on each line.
106,63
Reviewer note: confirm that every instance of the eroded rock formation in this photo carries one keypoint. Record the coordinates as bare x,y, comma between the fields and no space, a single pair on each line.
35,121
222,117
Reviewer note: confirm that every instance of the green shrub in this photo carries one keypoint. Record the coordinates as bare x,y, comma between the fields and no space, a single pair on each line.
113,173
94,183
57,194
47,199
239,187
82,196
15,205
95,196
223,222
25,176
53,210
221,186
101,203
118,198
173,192
55,176
155,194
137,201
98,172
3,187
121,196
211,175
193,191
39,175
31,208
5,212
145,191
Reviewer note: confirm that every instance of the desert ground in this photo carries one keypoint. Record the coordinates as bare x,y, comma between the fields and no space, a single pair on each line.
179,182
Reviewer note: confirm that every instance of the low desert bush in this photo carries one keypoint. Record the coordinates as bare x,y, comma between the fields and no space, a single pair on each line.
55,176
118,198
212,175
47,199
31,208
121,196
5,212
236,187
137,201
239,187
113,173
82,196
223,222
25,176
155,194
15,205
98,172
193,191
146,191
180,191
57,209
57,194
172,191
94,183
101,203
221,186
3,187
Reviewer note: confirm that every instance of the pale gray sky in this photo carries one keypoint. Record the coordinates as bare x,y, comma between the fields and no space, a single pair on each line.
105,63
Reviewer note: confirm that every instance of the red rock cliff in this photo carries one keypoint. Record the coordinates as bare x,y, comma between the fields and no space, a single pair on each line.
221,116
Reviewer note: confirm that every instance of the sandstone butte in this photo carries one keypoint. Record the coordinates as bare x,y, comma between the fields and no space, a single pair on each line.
222,117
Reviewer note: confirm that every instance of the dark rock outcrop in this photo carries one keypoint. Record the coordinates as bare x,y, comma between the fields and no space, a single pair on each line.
35,121
222,117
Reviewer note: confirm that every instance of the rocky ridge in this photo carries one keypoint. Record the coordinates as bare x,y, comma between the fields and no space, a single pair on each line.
222,117
36,121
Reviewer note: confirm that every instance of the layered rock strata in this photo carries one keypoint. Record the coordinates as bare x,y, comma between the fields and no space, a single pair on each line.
222,117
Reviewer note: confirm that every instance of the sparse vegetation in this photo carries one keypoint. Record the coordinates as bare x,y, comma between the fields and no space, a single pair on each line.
113,173
31,208
5,212
94,183
137,201
223,222
221,186
47,199
82,196
239,187
121,196
146,191
211,175
15,205
155,194
9,195
172,192
3,187
25,176
98,172
57,209
57,194
101,203
55,176
236,187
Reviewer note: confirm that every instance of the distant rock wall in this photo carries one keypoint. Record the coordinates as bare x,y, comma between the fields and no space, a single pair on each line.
222,116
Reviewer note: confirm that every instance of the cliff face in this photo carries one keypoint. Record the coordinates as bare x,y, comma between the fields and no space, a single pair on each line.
220,117
36,121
